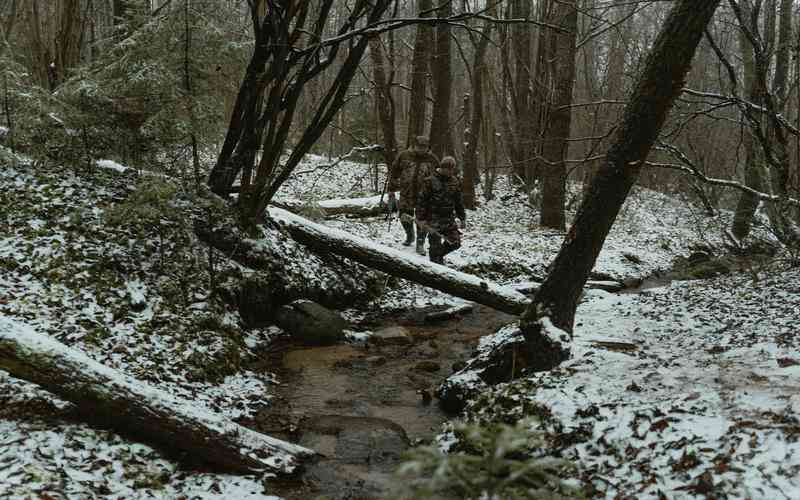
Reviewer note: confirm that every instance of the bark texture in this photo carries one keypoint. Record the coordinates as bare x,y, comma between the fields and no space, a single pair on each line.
748,202
474,129
419,74
556,145
130,406
325,241
383,73
661,81
441,69
287,270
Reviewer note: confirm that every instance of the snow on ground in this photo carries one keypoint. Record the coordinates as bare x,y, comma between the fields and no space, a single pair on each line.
503,240
128,299
686,390
710,384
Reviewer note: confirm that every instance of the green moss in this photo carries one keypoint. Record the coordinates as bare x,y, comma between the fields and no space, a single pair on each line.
8,264
96,335
216,363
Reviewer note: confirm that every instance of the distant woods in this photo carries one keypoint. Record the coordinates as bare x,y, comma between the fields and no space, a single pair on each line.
529,89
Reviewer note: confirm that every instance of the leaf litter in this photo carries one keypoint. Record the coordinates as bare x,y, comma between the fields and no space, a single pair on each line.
704,404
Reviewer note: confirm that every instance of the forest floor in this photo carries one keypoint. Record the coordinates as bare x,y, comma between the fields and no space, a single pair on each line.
688,388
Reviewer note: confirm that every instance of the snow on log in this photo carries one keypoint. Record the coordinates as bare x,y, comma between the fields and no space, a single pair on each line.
370,206
450,312
504,356
323,239
130,406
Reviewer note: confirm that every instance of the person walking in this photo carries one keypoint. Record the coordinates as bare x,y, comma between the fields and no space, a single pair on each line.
439,201
410,168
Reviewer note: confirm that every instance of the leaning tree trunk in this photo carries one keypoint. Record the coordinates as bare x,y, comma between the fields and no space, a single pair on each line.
132,407
660,83
556,144
325,240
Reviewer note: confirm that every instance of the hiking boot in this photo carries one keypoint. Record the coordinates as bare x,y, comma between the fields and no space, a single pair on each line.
421,247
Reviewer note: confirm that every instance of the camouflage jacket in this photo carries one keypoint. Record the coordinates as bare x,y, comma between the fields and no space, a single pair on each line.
408,172
439,197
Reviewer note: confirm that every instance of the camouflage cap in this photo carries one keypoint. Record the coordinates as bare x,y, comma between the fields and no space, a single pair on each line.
448,162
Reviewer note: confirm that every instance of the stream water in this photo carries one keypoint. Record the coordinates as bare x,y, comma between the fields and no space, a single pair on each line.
361,405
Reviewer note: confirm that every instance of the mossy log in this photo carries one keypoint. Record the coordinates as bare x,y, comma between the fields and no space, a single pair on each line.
131,407
287,270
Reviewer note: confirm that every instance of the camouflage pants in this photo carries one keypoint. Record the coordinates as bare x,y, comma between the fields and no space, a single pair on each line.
446,239
409,222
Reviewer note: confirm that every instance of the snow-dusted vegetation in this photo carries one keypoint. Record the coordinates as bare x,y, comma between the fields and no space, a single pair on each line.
675,389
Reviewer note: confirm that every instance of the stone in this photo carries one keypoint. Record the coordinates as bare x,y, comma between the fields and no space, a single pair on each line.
395,335
311,323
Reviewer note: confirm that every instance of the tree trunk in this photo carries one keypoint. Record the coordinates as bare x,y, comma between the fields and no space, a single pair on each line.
325,240
419,75
556,144
8,26
245,112
748,202
383,96
369,206
471,174
768,130
614,82
67,41
659,84
441,68
522,93
40,53
113,399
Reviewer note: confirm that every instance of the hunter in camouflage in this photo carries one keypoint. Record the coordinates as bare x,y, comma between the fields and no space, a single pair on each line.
439,200
410,168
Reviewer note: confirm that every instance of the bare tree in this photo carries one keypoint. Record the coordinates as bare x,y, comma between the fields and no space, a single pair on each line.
476,117
383,75
768,129
290,50
555,145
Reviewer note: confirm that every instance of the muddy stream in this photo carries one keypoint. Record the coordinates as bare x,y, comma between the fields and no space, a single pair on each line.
360,405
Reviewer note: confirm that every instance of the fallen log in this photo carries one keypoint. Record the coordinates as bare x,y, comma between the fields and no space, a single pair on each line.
286,270
132,407
369,206
450,312
325,240
531,287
